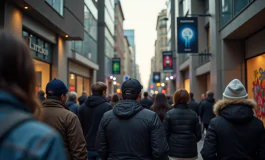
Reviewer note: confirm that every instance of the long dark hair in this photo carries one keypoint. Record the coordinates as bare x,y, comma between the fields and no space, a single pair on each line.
17,74
161,105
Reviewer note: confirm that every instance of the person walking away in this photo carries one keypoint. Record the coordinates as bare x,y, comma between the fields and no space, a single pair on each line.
58,115
170,102
207,109
114,100
129,131
182,128
235,133
71,103
146,102
161,106
90,114
41,95
20,131
82,98
193,105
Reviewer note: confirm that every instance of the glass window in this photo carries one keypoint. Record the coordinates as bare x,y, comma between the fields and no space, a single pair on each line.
72,85
226,11
86,18
80,85
78,47
239,5
87,85
42,70
57,5
185,7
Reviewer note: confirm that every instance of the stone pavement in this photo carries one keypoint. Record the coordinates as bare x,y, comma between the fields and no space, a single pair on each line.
200,145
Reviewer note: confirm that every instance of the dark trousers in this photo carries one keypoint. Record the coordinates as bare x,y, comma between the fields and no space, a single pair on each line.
206,126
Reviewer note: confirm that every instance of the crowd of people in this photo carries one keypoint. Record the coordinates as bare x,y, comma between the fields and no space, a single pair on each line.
56,127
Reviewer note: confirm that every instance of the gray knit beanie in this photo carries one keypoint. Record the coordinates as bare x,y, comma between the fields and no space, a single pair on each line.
235,90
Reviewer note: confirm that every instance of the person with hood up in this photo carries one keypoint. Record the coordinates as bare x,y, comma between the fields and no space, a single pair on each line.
206,108
82,98
56,114
71,103
129,131
235,134
90,114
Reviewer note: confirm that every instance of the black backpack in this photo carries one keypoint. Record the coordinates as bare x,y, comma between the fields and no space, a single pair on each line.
13,120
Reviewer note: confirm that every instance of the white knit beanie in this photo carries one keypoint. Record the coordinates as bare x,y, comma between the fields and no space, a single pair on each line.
235,90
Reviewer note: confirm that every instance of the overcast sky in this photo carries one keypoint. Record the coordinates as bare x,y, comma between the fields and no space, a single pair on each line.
141,15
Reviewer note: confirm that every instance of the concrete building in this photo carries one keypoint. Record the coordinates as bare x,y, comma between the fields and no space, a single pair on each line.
119,39
138,73
234,34
52,26
171,42
161,44
83,55
130,34
106,19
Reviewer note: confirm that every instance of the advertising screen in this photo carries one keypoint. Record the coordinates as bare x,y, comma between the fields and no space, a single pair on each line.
167,61
187,29
116,65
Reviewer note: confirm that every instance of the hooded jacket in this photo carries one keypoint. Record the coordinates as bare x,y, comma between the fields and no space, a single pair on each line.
183,131
131,132
235,134
90,114
73,107
56,114
206,110
30,139
193,105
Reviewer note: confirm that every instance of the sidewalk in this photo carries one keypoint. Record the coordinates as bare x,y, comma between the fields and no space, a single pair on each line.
200,145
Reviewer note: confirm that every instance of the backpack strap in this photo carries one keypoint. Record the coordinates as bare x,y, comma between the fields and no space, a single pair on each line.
12,120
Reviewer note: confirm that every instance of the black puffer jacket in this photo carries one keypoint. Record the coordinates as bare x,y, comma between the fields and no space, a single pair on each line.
206,108
90,114
183,131
193,105
235,134
131,132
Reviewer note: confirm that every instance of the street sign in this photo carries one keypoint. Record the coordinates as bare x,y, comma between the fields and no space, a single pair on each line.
125,78
116,66
156,77
187,29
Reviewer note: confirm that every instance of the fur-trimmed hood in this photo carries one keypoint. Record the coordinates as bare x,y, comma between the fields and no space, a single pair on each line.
235,109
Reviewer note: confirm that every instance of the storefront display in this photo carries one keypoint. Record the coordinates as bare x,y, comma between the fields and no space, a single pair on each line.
256,83
43,74
42,53
187,85
79,84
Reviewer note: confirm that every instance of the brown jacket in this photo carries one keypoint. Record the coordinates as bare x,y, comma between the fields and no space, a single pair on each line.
58,115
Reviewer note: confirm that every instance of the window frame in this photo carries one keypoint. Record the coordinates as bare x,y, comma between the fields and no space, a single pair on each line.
61,7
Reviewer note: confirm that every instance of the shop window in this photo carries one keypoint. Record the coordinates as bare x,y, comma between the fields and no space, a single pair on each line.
80,85
87,85
42,70
56,5
187,84
256,83
72,84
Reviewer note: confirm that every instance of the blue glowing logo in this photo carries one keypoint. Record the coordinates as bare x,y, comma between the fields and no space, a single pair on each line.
187,35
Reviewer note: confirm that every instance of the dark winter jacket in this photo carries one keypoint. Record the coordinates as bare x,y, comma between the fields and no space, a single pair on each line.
183,131
58,115
146,102
73,106
194,106
90,114
131,132
235,134
207,110
82,99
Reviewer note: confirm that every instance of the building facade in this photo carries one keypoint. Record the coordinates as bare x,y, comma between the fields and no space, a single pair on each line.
106,31
130,34
49,27
236,48
119,39
83,54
